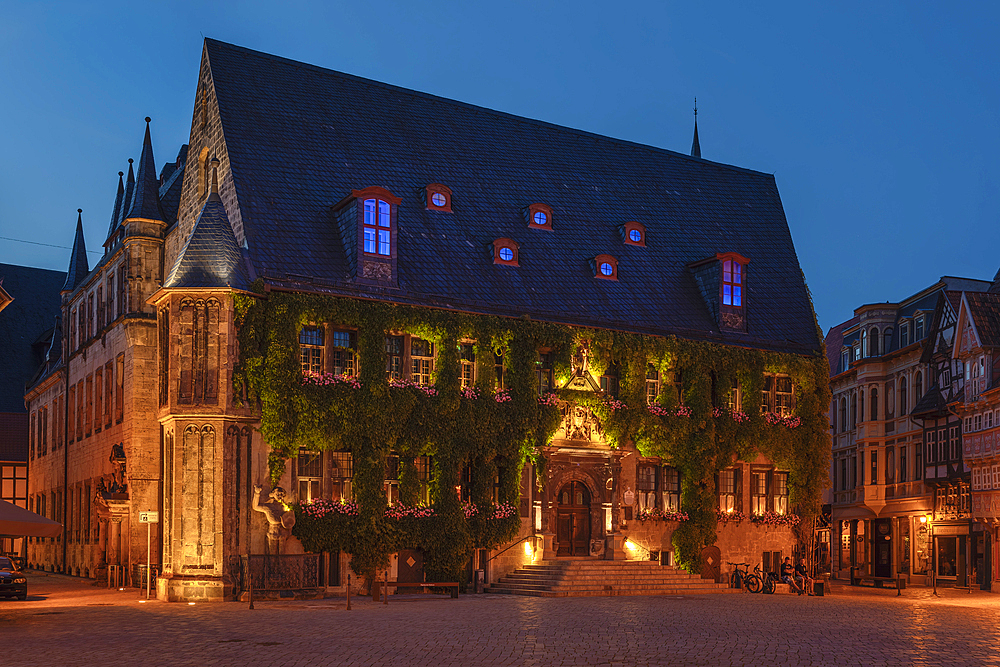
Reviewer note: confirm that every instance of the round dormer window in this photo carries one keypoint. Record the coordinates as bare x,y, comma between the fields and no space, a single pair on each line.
607,269
540,218
635,235
506,254
438,199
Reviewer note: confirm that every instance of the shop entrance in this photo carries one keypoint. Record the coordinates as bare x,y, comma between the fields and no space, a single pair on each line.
882,546
573,520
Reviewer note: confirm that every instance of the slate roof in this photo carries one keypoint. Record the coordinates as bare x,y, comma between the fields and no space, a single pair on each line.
117,211
171,179
211,258
22,323
79,267
834,343
985,310
146,198
299,138
931,403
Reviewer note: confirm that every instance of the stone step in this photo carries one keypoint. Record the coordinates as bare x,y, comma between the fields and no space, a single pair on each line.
612,593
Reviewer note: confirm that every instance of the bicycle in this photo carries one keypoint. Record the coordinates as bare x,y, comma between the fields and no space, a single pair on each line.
767,580
738,577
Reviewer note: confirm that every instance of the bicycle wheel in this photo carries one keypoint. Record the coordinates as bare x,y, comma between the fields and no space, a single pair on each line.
736,579
768,586
752,582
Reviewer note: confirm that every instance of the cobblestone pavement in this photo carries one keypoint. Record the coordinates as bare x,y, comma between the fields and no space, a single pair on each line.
67,622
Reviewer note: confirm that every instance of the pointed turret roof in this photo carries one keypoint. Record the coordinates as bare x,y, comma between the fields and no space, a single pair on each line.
212,258
116,215
695,144
78,267
129,189
146,198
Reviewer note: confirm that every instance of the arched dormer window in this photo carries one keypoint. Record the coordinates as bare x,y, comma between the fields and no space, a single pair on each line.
634,233
539,216
376,223
437,197
873,338
505,252
605,267
864,343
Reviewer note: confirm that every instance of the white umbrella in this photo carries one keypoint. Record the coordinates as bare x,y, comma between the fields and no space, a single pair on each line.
18,522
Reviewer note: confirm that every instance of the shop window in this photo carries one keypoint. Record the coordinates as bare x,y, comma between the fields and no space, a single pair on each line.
421,360
394,357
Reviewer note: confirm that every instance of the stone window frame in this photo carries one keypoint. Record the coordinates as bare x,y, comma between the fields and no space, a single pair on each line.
730,499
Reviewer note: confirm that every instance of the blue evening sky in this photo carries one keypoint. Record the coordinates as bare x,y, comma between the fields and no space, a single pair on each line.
879,120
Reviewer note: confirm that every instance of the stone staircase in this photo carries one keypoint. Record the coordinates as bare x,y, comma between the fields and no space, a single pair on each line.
587,577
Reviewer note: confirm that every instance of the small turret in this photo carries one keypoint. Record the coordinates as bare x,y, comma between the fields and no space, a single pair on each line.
145,202
78,267
695,144
116,214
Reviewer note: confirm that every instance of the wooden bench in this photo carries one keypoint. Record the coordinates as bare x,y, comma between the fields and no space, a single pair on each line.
453,585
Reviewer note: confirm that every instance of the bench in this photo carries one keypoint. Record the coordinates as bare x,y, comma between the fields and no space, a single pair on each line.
879,582
453,585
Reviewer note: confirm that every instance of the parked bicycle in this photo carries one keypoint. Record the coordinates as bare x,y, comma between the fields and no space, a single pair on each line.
765,580
738,577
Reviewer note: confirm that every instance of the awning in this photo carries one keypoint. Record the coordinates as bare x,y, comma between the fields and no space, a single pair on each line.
843,514
18,522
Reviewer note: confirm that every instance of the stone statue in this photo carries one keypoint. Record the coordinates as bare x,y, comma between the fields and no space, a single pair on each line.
279,519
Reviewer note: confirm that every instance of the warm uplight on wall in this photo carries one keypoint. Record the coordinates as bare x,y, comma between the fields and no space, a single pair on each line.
923,519
528,551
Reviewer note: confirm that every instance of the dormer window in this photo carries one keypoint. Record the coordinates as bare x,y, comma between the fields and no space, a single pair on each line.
606,267
539,216
634,233
505,252
732,294
376,224
437,197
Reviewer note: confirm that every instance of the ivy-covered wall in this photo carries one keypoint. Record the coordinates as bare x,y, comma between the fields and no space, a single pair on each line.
498,433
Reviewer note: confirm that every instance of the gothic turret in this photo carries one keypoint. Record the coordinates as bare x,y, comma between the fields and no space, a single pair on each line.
212,257
145,202
78,267
116,214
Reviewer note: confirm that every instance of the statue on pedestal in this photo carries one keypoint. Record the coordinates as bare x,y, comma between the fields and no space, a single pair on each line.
279,519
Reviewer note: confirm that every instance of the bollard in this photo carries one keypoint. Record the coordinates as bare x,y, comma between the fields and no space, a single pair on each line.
385,599
348,591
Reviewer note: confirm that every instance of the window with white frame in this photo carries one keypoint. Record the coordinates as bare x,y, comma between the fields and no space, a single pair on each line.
645,486
343,345
671,489
758,491
309,473
394,357
652,384
728,491
421,360
311,349
467,360
735,400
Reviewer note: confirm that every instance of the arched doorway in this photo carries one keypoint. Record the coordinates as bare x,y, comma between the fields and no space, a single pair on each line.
573,520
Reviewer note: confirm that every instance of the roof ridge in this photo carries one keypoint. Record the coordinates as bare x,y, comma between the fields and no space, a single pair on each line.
469,105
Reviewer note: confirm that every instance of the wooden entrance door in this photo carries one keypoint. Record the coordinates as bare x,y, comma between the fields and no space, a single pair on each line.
573,520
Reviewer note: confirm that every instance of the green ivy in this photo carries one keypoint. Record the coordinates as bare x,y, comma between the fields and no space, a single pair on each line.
497,438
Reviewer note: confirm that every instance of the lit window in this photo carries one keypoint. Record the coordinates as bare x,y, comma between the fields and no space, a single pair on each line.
539,216
606,267
652,384
732,283
780,497
467,358
422,359
671,489
309,471
645,484
727,490
377,227
343,344
634,233
311,349
394,357
438,197
505,252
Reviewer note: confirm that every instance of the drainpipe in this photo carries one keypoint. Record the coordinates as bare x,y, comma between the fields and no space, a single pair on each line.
65,444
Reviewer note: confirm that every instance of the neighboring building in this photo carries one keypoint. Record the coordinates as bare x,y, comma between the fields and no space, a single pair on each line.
967,508
889,395
28,310
337,241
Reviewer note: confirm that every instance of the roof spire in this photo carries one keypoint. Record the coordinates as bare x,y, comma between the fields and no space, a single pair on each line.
116,214
78,267
146,198
695,145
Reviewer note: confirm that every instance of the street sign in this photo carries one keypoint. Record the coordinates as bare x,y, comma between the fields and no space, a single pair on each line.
149,517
